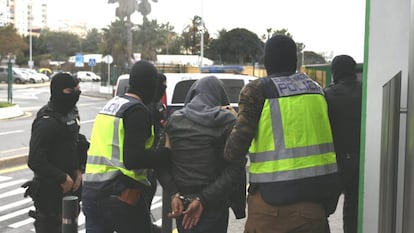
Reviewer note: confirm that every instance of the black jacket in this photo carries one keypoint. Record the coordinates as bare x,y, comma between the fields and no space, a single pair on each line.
56,149
54,145
198,166
198,134
344,105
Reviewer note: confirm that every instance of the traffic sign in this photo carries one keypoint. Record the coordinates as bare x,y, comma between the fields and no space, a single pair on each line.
108,59
92,62
79,60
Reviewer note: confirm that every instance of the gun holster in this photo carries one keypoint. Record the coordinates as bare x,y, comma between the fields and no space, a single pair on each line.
31,187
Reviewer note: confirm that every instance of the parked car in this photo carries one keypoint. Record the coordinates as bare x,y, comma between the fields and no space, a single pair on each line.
17,75
33,77
178,85
88,76
41,76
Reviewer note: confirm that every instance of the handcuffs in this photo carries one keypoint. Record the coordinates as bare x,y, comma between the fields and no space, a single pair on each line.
185,199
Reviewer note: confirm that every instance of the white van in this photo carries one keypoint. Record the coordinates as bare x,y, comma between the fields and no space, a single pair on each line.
88,76
178,85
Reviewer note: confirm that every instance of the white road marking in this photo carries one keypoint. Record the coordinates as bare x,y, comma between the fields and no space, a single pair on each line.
11,183
14,214
12,193
11,132
14,204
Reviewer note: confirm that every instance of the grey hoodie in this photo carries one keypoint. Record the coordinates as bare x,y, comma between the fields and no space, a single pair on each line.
203,103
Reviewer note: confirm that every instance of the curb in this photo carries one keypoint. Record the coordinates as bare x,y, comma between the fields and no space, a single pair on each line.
13,161
10,112
97,94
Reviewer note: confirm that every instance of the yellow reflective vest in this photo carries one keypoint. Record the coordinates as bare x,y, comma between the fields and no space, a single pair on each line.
105,154
293,139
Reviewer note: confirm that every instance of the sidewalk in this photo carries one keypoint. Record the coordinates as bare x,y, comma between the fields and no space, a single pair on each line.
15,111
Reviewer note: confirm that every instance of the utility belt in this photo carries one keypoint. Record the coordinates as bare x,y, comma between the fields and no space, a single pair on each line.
42,217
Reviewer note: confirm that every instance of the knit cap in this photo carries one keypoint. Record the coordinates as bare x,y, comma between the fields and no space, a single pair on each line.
142,80
280,55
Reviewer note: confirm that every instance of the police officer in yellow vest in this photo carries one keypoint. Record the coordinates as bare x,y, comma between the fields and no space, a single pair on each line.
283,125
115,180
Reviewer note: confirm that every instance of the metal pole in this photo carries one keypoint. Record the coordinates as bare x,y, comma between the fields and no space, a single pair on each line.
30,36
166,207
70,211
109,74
202,37
129,41
9,81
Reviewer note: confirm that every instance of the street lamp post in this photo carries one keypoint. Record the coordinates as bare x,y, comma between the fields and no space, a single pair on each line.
10,59
202,36
202,43
30,36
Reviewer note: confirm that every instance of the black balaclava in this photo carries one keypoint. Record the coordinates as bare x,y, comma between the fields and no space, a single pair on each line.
142,80
280,55
160,87
343,66
64,103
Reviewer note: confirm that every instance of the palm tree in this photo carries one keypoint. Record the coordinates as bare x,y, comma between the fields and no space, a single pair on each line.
151,37
125,9
114,43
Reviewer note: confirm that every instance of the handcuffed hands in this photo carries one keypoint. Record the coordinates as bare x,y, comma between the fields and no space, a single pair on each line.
192,214
177,206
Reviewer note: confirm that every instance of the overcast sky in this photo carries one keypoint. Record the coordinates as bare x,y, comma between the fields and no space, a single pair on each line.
324,26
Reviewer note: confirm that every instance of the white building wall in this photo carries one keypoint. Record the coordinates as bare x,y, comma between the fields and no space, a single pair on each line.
4,14
39,14
21,11
388,41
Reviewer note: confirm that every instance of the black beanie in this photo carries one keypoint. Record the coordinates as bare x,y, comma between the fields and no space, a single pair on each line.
343,66
142,80
280,55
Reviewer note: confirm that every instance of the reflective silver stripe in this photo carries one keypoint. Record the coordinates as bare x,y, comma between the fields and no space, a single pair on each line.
108,175
291,153
99,177
100,160
293,174
296,84
115,141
